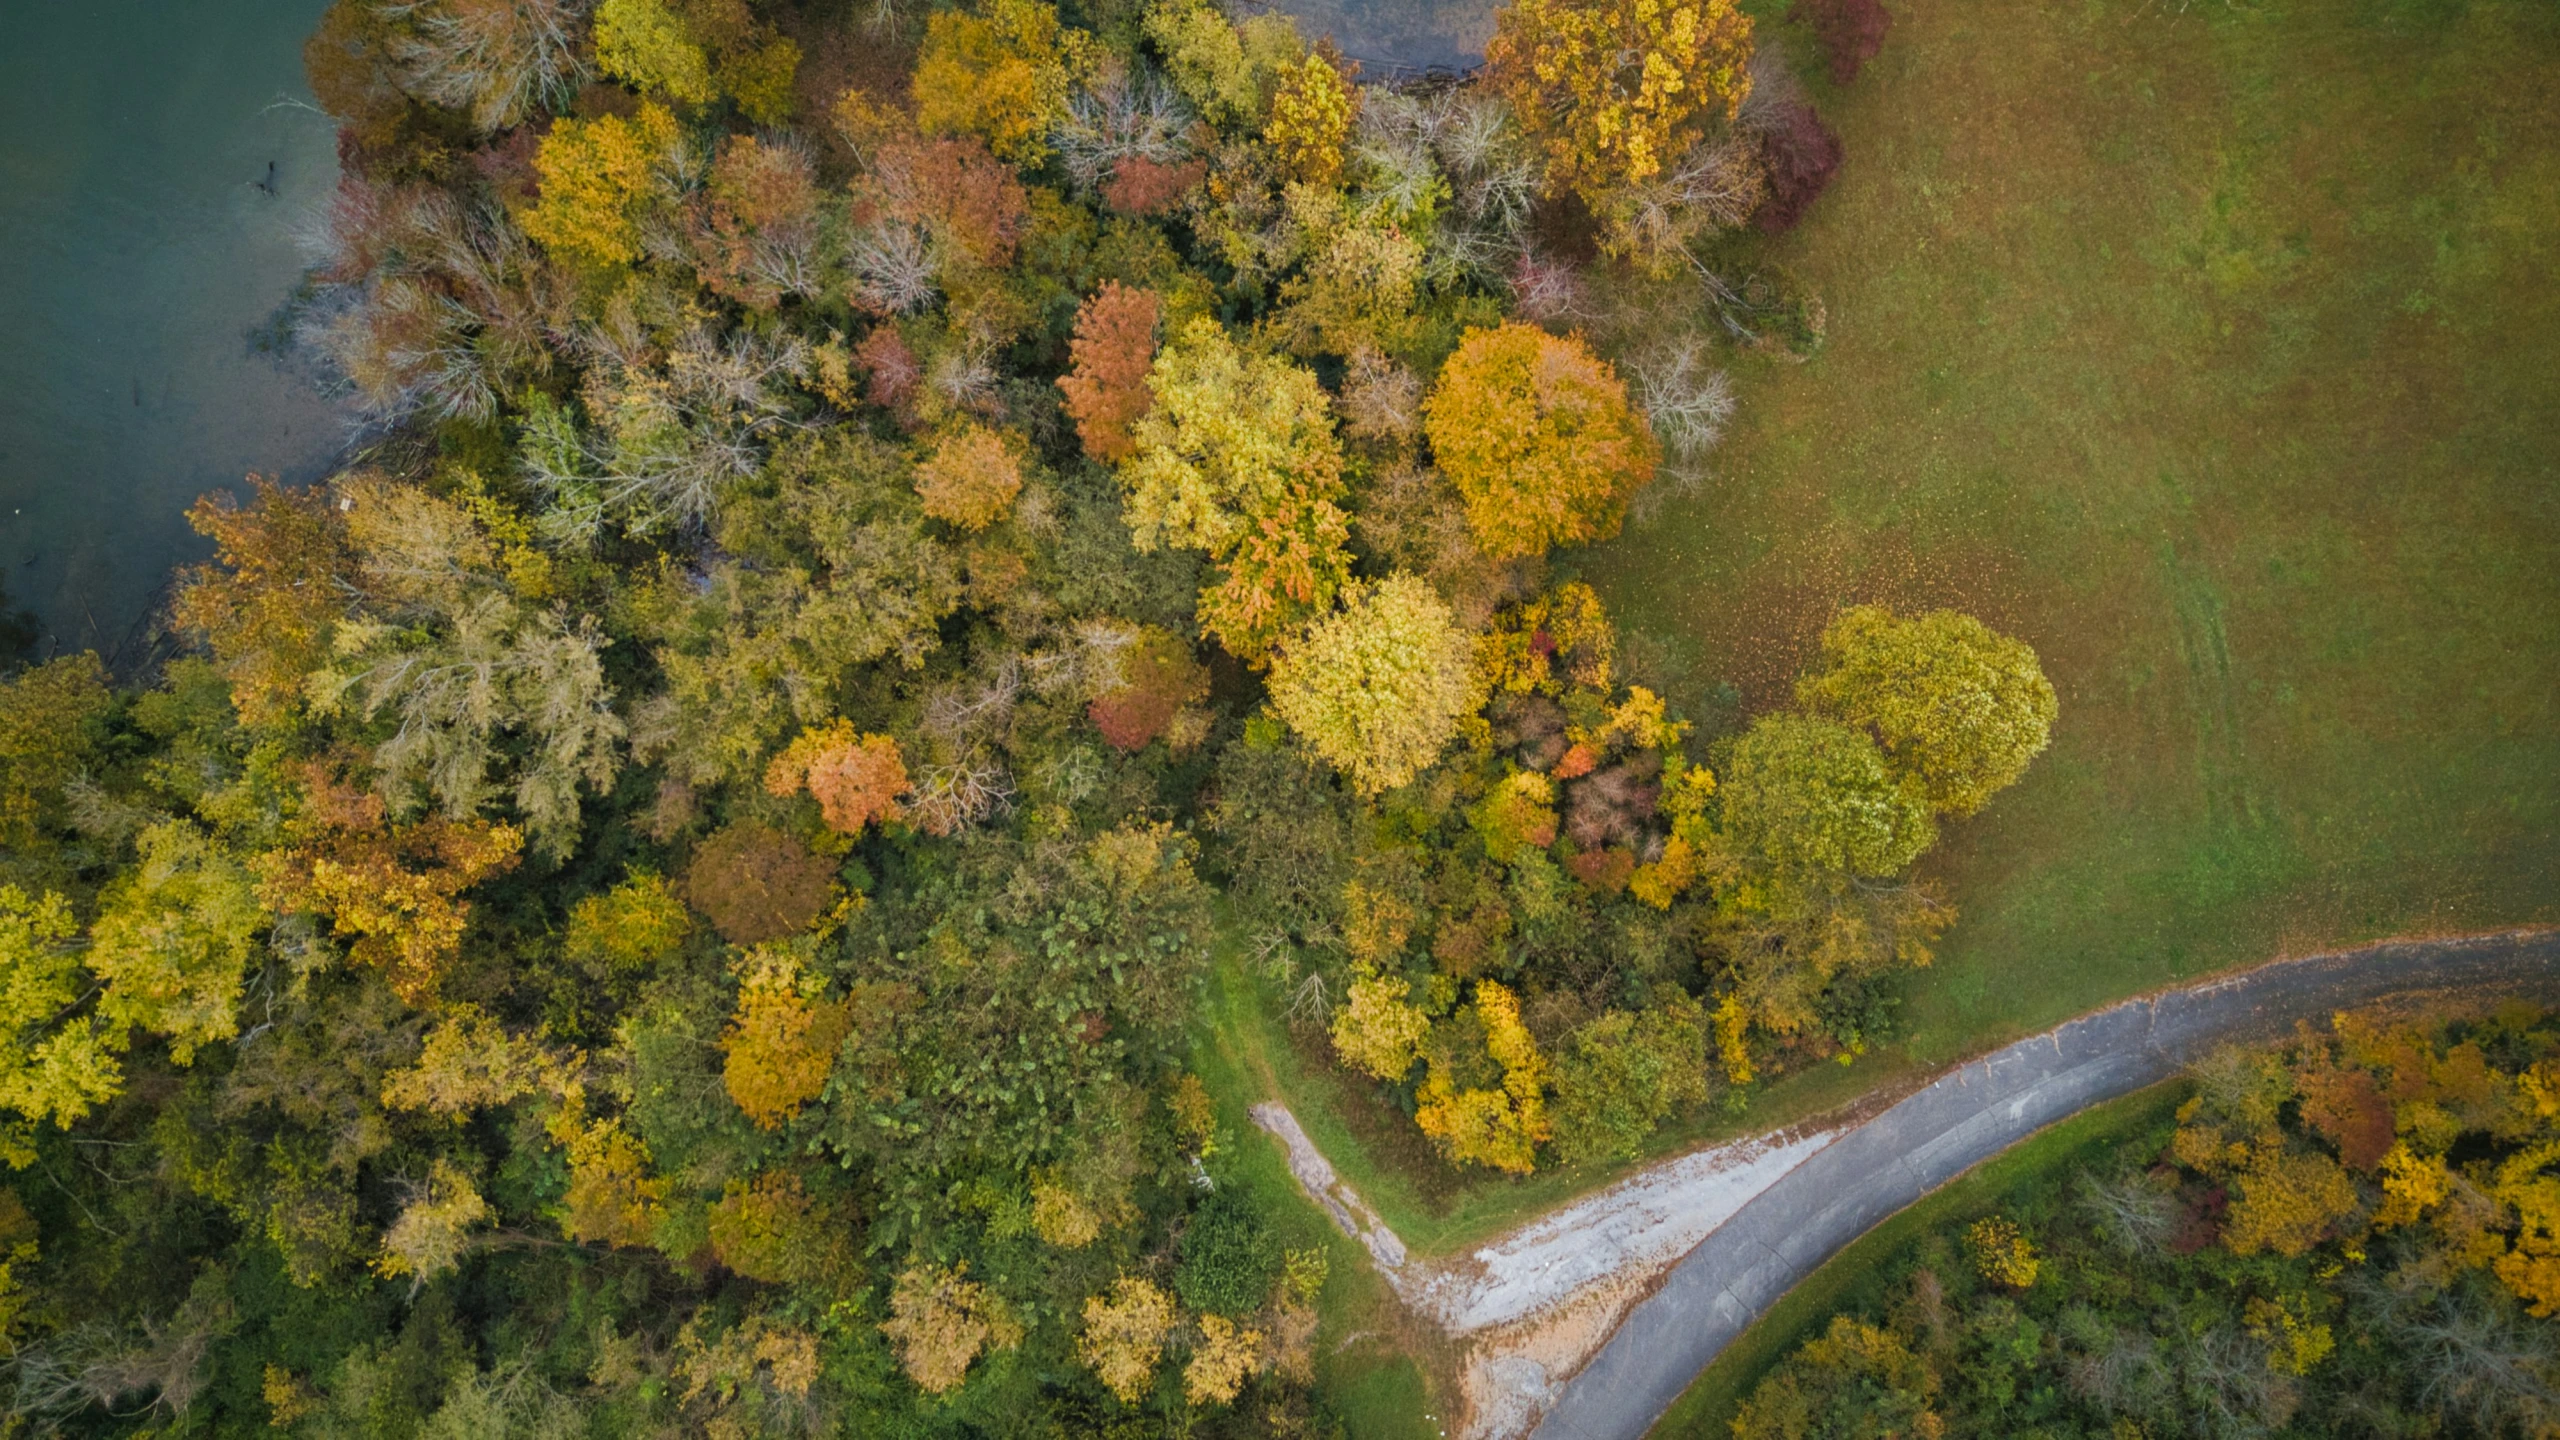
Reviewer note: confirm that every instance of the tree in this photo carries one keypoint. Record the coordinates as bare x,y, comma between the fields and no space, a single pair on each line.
54,1063
1225,1357
1959,709
971,476
1516,814
1613,91
757,883
276,589
1123,1336
1811,793
1106,387
1619,1075
599,177
769,1229
394,889
497,61
1851,32
1311,115
1377,1030
172,939
434,1229
633,925
1001,74
1537,435
52,718
856,779
941,1321
783,1043
2001,1253
1237,457
1495,1125
648,44
1379,686
1159,681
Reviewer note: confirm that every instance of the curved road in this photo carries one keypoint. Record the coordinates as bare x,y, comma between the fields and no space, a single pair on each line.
1973,1113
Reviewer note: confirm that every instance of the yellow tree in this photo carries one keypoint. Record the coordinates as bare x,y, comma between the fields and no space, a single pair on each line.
1615,91
1001,74
1123,1336
941,1321
50,1068
599,177
1538,437
1378,687
782,1045
1959,709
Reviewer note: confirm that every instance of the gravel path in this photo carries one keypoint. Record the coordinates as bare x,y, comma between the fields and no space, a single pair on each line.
1872,1170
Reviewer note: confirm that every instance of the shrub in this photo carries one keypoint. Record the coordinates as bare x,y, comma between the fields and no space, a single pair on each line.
1536,434
1851,32
757,883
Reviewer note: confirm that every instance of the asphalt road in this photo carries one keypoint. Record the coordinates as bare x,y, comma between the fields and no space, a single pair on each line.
1973,1113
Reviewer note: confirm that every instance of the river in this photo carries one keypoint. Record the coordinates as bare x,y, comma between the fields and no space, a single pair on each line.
143,256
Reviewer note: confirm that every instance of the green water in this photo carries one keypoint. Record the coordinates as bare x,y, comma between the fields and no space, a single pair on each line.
137,258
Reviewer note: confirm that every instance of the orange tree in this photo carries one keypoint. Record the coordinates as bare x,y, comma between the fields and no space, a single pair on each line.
1537,435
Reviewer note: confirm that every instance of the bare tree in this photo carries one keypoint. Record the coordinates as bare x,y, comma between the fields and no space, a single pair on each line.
497,61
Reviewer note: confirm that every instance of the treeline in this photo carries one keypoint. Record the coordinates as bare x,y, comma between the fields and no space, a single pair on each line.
2350,1234
671,897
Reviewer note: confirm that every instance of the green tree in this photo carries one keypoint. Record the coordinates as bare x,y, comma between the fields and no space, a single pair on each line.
1536,434
1808,792
1959,709
173,938
51,1067
1379,686
1618,1076
52,721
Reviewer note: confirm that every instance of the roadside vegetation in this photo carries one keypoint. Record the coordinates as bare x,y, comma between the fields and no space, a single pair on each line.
2344,1233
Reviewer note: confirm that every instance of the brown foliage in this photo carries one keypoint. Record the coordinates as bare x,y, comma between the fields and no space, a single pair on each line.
1140,186
1798,156
895,373
2347,1108
1158,676
1106,389
971,203
757,883
278,584
1851,32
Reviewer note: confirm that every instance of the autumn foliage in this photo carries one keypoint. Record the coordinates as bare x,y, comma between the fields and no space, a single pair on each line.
856,779
1538,437
268,604
971,476
1106,387
1158,678
1615,91
757,883
782,1045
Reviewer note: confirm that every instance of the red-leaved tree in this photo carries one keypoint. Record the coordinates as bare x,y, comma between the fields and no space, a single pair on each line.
1106,390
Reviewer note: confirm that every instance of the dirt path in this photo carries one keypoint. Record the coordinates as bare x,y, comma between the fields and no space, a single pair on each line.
1737,1225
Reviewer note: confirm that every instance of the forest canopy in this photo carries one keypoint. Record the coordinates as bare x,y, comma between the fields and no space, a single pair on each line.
673,893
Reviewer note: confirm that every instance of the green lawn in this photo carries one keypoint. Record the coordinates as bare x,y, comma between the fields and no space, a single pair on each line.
2215,350
1855,1277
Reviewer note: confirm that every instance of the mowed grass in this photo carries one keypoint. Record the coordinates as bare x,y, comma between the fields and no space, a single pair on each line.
2214,350
2039,1166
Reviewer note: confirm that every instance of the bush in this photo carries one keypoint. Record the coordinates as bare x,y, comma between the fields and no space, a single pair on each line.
1229,1260
1851,32
1798,156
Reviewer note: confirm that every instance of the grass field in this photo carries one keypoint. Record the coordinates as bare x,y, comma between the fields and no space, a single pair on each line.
2215,350
2037,1166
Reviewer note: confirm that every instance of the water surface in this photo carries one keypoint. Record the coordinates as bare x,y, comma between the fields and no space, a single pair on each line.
141,256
